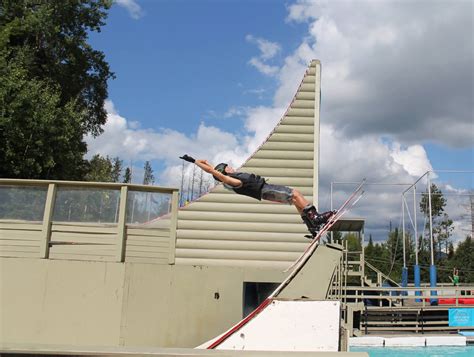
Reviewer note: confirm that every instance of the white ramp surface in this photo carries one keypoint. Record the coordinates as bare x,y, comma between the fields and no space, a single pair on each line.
302,325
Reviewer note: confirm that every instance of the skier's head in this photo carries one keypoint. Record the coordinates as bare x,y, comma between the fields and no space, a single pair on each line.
224,169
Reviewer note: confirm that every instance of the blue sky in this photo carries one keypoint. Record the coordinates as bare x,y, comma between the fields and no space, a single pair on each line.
194,53
212,78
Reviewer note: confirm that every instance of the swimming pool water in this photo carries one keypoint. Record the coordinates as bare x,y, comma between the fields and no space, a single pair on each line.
454,351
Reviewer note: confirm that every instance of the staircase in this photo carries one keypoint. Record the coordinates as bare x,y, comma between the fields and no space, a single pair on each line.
358,267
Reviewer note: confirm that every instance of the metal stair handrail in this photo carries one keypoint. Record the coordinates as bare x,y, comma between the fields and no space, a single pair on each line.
370,266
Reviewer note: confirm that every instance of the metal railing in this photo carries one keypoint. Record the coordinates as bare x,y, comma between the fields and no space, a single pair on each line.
396,308
402,296
92,220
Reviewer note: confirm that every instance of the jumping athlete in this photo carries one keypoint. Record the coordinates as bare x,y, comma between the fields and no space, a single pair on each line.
255,186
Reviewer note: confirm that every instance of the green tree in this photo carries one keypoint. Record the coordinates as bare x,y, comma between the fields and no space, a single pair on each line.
100,169
104,169
117,166
353,242
443,231
148,177
438,202
127,177
369,249
464,260
52,86
442,224
450,251
337,237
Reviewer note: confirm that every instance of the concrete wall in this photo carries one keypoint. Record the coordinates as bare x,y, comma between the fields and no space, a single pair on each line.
81,303
47,301
77,303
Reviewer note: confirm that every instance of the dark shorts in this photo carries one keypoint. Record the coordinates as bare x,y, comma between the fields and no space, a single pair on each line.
277,193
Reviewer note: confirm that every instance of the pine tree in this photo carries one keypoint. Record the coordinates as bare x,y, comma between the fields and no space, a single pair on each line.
127,177
369,249
148,177
464,260
117,166
99,169
438,202
353,242
442,224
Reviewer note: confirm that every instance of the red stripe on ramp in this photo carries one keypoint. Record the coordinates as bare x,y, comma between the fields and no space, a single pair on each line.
242,323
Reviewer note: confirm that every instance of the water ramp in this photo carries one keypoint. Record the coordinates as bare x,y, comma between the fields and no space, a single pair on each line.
295,317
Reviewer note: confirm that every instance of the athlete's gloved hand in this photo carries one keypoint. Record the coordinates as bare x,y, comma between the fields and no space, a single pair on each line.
187,158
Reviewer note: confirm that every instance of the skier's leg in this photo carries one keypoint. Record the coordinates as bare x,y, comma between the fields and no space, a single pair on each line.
304,207
299,201
277,193
285,194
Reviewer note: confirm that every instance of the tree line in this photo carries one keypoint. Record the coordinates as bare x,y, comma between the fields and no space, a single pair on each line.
387,256
107,169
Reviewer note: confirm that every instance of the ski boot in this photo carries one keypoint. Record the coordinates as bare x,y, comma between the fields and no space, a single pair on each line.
315,220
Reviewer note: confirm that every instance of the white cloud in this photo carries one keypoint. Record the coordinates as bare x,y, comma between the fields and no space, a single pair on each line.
263,67
124,139
381,79
233,112
394,68
258,91
413,159
132,6
259,123
268,50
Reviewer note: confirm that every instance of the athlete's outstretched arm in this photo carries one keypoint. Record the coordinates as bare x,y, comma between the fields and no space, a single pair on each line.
207,167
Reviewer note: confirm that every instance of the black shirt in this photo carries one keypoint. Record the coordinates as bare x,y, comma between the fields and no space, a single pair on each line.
251,184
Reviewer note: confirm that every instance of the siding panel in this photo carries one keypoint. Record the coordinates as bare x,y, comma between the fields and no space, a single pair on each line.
83,242
20,239
148,245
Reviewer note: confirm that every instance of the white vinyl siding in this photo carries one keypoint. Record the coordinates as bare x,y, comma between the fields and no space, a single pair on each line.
223,228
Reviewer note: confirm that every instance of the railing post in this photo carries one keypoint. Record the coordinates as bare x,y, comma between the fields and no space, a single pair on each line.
366,319
173,226
47,218
121,225
422,321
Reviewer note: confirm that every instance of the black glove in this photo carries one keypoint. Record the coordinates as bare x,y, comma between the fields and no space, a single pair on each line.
187,158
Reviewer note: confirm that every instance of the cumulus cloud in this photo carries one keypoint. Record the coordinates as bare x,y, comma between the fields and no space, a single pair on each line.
268,50
381,79
393,68
413,159
132,6
125,139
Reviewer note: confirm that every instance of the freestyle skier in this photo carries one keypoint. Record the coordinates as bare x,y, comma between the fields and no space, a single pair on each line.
254,186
